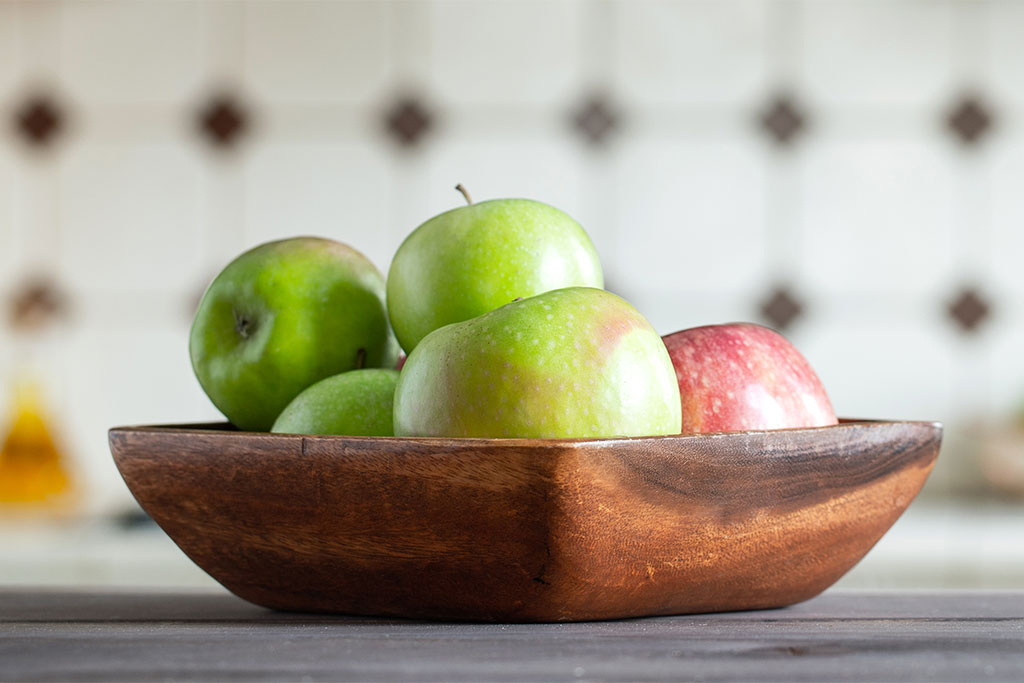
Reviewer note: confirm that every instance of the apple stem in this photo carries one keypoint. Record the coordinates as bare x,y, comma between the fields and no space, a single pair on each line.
465,193
360,359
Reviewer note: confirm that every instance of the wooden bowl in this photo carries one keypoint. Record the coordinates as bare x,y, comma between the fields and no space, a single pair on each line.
527,530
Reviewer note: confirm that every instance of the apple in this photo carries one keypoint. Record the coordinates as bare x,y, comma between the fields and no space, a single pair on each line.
744,376
471,260
575,362
354,403
282,316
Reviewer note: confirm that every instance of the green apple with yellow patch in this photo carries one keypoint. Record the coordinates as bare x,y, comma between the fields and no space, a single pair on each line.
571,363
282,316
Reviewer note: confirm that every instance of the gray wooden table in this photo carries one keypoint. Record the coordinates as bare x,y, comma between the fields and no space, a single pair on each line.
80,636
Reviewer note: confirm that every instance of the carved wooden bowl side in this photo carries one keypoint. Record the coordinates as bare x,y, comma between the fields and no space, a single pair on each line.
527,530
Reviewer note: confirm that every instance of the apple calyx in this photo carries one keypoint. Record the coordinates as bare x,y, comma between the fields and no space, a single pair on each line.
360,359
465,193
243,325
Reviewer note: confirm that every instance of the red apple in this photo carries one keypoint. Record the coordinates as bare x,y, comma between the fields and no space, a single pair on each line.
744,376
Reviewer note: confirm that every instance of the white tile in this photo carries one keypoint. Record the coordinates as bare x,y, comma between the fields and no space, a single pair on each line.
878,53
224,39
126,376
883,370
690,216
224,228
1006,178
505,52
597,208
1006,53
35,196
130,217
312,52
148,52
10,53
11,232
339,190
689,52
877,215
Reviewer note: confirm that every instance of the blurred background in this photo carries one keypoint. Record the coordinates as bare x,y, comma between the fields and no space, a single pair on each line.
850,173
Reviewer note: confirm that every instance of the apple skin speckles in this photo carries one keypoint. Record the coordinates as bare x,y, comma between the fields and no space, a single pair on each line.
743,376
602,372
311,307
474,259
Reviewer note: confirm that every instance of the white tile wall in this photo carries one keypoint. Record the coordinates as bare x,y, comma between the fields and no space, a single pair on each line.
510,53
679,53
1005,174
317,52
1005,57
333,190
875,214
691,215
130,52
10,39
885,368
36,218
130,218
877,53
672,311
11,236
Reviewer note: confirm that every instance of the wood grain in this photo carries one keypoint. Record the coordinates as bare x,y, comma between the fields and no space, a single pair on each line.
527,530
839,636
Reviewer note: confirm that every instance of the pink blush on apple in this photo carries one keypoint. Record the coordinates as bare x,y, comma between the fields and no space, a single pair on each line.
743,376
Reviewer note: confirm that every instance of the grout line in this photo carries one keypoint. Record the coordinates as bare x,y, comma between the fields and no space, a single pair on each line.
972,219
781,211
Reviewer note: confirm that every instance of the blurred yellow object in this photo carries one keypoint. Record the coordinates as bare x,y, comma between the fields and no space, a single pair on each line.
32,467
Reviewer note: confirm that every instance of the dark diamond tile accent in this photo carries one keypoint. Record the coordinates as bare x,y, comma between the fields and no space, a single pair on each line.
223,121
969,309
970,120
39,120
35,303
407,121
596,119
781,308
783,119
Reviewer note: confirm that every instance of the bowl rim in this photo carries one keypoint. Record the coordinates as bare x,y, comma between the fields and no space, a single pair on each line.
226,430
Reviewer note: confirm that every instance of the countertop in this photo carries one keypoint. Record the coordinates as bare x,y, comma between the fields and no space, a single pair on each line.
211,635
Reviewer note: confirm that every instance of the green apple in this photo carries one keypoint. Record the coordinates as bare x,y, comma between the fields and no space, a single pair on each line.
471,260
575,362
282,316
355,403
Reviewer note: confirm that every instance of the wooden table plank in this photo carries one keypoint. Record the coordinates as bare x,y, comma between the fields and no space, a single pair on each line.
213,636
